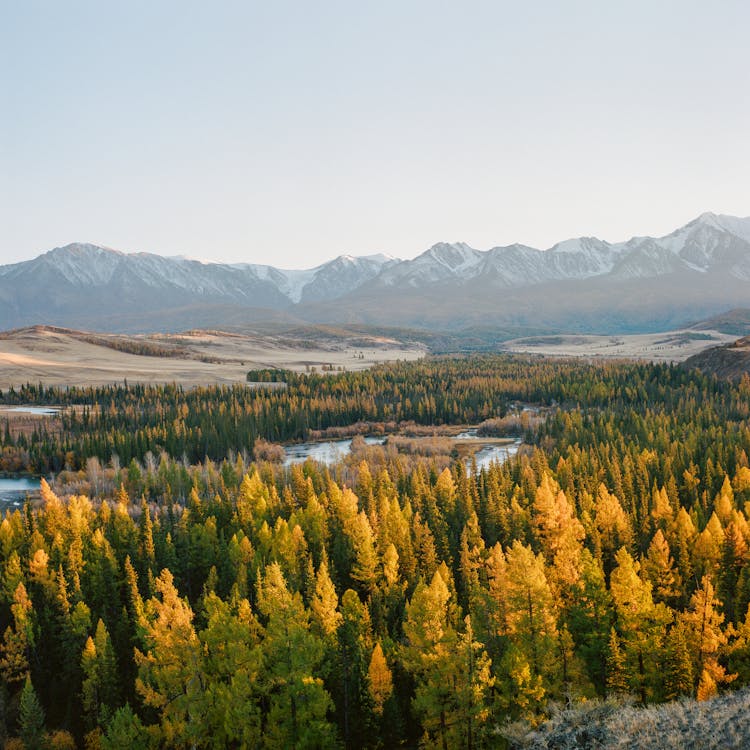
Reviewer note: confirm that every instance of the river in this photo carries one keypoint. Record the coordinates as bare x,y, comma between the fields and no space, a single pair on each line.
332,451
13,491
44,411
326,453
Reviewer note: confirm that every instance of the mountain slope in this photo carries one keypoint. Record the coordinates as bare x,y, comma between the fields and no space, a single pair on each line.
581,284
730,361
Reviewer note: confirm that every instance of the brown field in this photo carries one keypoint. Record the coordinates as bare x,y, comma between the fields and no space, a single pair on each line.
670,346
56,356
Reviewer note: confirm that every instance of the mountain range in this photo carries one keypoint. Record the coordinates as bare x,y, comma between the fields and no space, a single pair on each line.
582,284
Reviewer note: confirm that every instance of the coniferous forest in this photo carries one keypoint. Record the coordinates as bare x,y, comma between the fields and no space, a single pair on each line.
168,591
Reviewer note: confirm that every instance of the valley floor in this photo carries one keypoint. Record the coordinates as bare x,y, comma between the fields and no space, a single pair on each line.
57,356
669,346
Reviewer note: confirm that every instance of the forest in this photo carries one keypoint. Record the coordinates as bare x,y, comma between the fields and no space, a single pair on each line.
168,591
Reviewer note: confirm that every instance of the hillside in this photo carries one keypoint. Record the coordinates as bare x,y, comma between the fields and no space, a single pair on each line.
730,361
666,346
718,724
736,322
60,356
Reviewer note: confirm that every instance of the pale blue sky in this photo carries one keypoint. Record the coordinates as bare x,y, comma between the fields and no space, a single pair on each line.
291,132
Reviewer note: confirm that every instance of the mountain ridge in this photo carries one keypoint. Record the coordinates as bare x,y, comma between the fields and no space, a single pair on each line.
448,284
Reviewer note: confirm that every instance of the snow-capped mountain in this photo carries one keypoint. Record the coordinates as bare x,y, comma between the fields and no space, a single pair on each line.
704,243
74,284
329,280
704,263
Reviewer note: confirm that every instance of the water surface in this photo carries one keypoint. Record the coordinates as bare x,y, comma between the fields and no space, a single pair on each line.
13,491
44,411
327,453
332,451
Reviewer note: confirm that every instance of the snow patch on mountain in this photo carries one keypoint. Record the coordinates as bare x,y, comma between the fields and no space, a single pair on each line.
83,264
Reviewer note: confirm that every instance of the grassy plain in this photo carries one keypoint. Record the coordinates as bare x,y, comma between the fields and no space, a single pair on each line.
57,356
670,346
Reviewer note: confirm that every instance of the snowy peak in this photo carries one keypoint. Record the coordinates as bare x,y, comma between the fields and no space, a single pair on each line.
709,242
739,227
581,257
342,275
443,261
336,277
458,257
83,264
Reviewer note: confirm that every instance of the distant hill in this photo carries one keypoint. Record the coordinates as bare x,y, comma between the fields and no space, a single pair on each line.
578,285
63,356
730,361
735,322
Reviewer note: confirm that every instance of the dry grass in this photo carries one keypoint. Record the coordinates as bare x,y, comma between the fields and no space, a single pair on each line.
672,346
516,423
422,446
58,356
718,724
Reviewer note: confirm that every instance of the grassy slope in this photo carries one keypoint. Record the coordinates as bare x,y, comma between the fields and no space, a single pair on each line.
718,724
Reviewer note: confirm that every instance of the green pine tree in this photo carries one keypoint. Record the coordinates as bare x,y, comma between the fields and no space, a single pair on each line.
31,718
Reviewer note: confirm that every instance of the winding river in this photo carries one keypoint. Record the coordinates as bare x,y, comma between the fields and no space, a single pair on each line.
330,452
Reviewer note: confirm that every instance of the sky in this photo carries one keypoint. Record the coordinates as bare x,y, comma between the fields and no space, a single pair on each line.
291,132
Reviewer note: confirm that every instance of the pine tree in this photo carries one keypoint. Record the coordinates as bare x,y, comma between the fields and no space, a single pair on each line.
452,670
227,708
702,622
708,546
31,718
471,566
324,605
170,678
148,554
678,669
641,622
733,558
560,531
531,616
590,619
613,526
681,541
520,692
100,689
349,682
19,640
365,556
472,681
89,697
125,730
381,679
297,701
618,680
659,569
497,600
